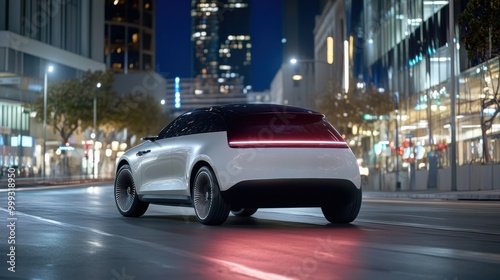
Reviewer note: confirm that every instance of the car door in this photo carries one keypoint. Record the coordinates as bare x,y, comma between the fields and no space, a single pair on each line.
156,165
187,146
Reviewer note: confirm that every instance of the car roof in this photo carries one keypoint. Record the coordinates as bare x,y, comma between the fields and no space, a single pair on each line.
234,110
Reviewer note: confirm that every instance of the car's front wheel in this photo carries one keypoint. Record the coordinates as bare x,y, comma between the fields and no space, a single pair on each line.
209,206
244,212
345,213
126,198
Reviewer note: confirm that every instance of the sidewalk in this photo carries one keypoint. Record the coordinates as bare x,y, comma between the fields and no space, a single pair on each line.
41,182
434,194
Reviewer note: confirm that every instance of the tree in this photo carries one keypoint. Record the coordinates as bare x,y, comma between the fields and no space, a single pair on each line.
346,110
70,105
141,114
479,24
70,108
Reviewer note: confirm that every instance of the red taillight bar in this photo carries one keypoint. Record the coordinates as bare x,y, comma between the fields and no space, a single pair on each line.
289,143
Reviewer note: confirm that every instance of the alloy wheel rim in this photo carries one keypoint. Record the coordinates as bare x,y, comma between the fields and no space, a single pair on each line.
202,195
124,191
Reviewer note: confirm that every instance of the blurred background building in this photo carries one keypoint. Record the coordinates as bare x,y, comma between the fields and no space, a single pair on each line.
221,46
67,35
129,48
400,48
336,48
294,83
129,34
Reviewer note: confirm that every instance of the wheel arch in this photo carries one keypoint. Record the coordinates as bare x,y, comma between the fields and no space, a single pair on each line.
120,164
199,164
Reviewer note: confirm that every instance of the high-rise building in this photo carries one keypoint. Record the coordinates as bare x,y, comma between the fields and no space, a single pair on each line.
130,48
222,44
67,35
299,17
205,38
235,45
130,36
294,83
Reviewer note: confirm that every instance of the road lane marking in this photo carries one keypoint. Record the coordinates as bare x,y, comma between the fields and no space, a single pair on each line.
231,266
433,227
417,216
298,211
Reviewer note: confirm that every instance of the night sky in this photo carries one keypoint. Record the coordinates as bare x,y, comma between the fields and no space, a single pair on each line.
173,40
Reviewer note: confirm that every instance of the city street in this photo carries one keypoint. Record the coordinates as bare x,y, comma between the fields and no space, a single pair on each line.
77,233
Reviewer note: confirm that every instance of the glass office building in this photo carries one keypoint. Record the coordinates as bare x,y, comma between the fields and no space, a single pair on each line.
129,36
33,35
222,45
406,51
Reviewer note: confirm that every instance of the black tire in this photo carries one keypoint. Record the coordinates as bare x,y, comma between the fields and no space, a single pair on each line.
244,212
343,214
209,206
126,198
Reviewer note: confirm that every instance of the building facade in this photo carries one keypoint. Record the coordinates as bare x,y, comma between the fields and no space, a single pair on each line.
403,48
185,94
222,45
33,35
406,50
296,76
129,36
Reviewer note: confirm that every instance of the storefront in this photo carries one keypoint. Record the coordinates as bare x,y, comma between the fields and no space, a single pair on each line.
17,146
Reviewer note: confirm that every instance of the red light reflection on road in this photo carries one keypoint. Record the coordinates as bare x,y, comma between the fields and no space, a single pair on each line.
287,250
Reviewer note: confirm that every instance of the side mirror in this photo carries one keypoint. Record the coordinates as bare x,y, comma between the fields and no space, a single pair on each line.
150,138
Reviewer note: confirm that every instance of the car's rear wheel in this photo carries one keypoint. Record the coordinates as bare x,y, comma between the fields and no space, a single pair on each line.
209,206
126,198
244,212
343,214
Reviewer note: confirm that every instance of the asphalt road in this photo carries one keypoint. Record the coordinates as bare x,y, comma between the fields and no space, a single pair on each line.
77,233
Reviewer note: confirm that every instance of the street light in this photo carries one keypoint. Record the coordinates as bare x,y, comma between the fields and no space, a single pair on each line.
47,70
95,131
311,78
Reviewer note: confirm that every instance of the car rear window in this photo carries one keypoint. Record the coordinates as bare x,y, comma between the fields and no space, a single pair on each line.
283,130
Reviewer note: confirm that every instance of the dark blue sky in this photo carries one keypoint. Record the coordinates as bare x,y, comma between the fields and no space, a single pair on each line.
173,40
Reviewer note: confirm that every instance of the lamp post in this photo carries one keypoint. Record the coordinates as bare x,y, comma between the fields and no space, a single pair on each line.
49,69
94,169
310,73
452,46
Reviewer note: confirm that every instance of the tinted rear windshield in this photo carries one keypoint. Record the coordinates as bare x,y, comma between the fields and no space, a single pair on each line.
282,127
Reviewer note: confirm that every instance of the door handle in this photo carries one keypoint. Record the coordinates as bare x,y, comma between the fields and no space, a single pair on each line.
140,153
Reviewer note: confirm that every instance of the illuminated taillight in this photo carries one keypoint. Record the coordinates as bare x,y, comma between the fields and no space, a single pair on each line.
283,130
288,143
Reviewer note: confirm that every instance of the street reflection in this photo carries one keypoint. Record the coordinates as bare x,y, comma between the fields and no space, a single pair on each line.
276,249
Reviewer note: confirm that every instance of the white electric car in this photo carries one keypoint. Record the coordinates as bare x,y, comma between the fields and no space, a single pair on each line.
238,158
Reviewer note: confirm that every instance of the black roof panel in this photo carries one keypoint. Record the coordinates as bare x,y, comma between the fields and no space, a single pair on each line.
234,110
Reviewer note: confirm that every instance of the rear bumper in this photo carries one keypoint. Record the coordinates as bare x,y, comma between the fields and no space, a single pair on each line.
277,193
234,167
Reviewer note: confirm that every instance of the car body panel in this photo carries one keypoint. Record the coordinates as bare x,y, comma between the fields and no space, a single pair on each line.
164,174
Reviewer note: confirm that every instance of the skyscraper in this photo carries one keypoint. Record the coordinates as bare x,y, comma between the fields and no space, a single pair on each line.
129,36
299,18
222,44
296,81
